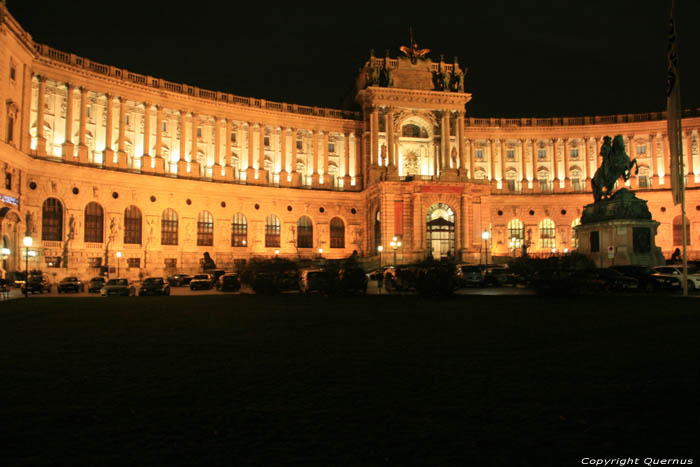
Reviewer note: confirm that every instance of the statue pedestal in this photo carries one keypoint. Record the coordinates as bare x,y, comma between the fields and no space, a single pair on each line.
449,175
619,231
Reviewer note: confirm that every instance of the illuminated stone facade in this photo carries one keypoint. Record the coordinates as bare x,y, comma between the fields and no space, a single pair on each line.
99,160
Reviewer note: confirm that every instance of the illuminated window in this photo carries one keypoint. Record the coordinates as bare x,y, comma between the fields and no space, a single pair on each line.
272,231
94,223
239,231
133,262
377,229
337,233
52,220
205,229
574,237
168,227
305,233
547,234
132,225
516,230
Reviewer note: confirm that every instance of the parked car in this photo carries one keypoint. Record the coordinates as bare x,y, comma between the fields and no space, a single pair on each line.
649,279
597,280
36,283
498,276
96,283
470,275
677,271
201,282
70,284
154,286
229,283
312,280
118,286
179,280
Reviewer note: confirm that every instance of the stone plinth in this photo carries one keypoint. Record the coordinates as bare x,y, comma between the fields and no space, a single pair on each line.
619,231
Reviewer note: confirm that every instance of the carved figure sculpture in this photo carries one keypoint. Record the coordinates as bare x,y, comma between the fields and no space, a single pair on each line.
412,51
616,163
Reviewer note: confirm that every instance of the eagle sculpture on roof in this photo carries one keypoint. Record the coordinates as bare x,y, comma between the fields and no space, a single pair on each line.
412,51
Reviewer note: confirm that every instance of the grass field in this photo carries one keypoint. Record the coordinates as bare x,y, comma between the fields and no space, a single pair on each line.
294,380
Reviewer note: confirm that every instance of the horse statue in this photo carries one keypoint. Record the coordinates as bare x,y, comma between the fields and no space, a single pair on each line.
616,163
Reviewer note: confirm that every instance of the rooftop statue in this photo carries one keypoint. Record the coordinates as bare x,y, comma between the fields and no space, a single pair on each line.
616,163
412,51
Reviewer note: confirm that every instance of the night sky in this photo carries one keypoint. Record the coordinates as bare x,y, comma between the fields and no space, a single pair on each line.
554,59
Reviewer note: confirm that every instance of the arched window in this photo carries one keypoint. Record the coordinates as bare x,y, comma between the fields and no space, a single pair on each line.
168,227
547,234
678,231
574,237
132,225
205,229
94,223
52,220
305,233
337,233
440,233
516,230
413,131
239,231
272,231
377,230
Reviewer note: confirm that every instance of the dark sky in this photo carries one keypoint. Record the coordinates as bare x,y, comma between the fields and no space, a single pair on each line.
554,59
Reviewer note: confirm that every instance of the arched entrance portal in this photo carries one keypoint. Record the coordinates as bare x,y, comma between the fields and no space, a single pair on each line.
440,231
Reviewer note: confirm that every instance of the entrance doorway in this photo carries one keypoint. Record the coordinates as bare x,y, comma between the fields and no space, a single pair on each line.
440,231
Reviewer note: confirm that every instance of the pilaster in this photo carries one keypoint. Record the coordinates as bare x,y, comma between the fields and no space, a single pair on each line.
68,146
82,146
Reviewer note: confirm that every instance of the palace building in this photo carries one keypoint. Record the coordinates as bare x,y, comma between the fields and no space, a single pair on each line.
98,160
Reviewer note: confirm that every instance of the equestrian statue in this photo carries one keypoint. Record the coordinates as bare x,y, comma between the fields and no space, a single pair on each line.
616,163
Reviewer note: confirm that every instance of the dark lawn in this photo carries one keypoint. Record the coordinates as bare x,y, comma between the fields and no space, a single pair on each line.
296,380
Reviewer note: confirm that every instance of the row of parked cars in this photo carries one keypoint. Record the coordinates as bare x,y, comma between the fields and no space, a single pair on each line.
614,278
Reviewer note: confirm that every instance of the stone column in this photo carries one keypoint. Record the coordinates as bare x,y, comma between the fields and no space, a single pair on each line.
250,171
293,163
358,160
121,152
228,160
654,161
555,165
262,172
160,162
688,150
82,146
523,165
461,146
284,174
566,155
216,168
195,169
40,139
492,161
326,175
108,153
68,146
444,141
534,162
314,144
347,181
503,164
182,162
146,157
374,123
472,161
667,162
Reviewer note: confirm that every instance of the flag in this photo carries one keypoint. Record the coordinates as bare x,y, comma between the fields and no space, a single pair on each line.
673,112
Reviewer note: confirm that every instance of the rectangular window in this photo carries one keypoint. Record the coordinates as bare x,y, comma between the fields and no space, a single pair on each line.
13,73
233,137
541,154
8,181
164,126
170,262
479,154
545,185
127,120
331,148
300,144
267,141
576,184
573,153
644,181
642,149
511,185
133,262
595,241
199,132
53,261
95,262
510,154
10,129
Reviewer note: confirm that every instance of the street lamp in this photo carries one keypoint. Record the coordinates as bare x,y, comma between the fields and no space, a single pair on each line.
395,244
485,235
277,252
27,243
119,257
